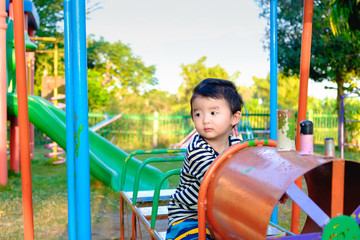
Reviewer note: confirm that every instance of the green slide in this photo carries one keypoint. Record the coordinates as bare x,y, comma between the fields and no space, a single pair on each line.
106,160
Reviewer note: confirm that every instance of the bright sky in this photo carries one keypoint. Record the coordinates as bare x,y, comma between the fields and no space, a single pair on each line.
168,33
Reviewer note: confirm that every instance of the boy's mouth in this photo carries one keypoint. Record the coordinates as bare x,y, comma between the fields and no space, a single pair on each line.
207,129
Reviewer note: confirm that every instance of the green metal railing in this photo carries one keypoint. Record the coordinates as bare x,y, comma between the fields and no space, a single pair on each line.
159,131
145,152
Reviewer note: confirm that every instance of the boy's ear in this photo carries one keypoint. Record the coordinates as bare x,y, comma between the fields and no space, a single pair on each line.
236,118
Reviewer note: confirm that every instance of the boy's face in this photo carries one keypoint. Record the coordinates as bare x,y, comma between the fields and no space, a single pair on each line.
213,118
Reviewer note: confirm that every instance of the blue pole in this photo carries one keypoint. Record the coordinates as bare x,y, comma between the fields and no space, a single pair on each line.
273,80
70,146
82,166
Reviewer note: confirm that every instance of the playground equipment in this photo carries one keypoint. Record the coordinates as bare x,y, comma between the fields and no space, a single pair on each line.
343,121
31,23
57,152
106,159
134,197
244,184
79,154
240,190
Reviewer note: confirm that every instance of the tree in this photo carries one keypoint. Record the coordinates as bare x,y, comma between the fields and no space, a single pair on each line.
334,58
345,16
287,91
119,66
51,15
123,74
98,96
193,74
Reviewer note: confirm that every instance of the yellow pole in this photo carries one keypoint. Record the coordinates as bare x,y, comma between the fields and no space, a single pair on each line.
55,87
55,51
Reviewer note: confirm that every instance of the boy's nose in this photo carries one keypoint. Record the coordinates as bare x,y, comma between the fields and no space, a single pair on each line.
205,118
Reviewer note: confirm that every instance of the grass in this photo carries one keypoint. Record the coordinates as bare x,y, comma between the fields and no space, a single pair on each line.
50,199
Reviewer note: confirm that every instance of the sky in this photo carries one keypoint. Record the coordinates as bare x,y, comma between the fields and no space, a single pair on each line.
169,33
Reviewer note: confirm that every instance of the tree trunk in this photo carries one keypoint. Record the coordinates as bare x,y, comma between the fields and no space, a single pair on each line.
340,91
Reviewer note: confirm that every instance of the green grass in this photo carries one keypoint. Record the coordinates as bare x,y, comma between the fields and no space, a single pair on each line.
50,199
350,154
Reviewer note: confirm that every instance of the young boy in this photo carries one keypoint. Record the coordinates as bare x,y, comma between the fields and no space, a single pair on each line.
215,110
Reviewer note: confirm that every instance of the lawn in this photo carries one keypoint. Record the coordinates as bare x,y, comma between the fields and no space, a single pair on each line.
50,202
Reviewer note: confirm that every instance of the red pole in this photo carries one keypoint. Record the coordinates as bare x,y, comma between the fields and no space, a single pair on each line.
14,145
23,119
3,89
304,78
337,188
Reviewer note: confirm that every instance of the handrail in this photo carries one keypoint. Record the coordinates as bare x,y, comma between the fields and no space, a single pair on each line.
139,152
105,122
143,164
157,194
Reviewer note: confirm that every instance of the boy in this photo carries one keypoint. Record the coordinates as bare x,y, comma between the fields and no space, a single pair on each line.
215,110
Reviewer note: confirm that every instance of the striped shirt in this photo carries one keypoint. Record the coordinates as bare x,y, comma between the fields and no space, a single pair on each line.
198,158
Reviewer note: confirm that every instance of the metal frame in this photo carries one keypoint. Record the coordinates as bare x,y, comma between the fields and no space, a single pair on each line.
342,123
124,198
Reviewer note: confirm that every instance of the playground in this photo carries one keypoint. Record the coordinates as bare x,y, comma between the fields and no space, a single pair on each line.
101,191
51,216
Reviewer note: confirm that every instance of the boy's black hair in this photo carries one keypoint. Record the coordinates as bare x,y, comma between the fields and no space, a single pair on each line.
219,88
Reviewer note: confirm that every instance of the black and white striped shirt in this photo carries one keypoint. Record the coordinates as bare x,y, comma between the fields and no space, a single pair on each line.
198,158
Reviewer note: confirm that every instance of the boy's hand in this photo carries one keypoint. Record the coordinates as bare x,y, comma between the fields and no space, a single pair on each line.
284,198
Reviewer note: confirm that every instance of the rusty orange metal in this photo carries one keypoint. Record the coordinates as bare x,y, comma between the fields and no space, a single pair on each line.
319,185
242,187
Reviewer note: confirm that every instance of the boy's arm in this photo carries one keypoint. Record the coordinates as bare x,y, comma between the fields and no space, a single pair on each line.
199,160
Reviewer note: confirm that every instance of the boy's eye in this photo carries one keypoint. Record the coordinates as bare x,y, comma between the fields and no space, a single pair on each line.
213,113
198,114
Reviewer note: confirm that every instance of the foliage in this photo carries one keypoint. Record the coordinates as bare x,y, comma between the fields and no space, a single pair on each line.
288,91
119,66
44,64
149,102
352,112
345,16
193,74
334,58
51,17
118,70
99,96
326,105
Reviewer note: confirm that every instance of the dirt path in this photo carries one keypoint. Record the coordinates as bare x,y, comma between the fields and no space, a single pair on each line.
109,228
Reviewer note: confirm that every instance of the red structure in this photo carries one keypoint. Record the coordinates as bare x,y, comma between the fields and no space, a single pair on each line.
242,187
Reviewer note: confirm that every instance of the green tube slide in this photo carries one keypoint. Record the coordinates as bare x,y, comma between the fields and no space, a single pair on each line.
106,159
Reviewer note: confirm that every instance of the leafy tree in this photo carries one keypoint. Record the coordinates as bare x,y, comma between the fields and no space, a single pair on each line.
193,74
334,58
51,17
287,91
98,96
146,103
326,105
51,14
345,16
119,66
123,74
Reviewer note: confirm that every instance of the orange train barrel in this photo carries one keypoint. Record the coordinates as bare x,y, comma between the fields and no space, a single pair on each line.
245,187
